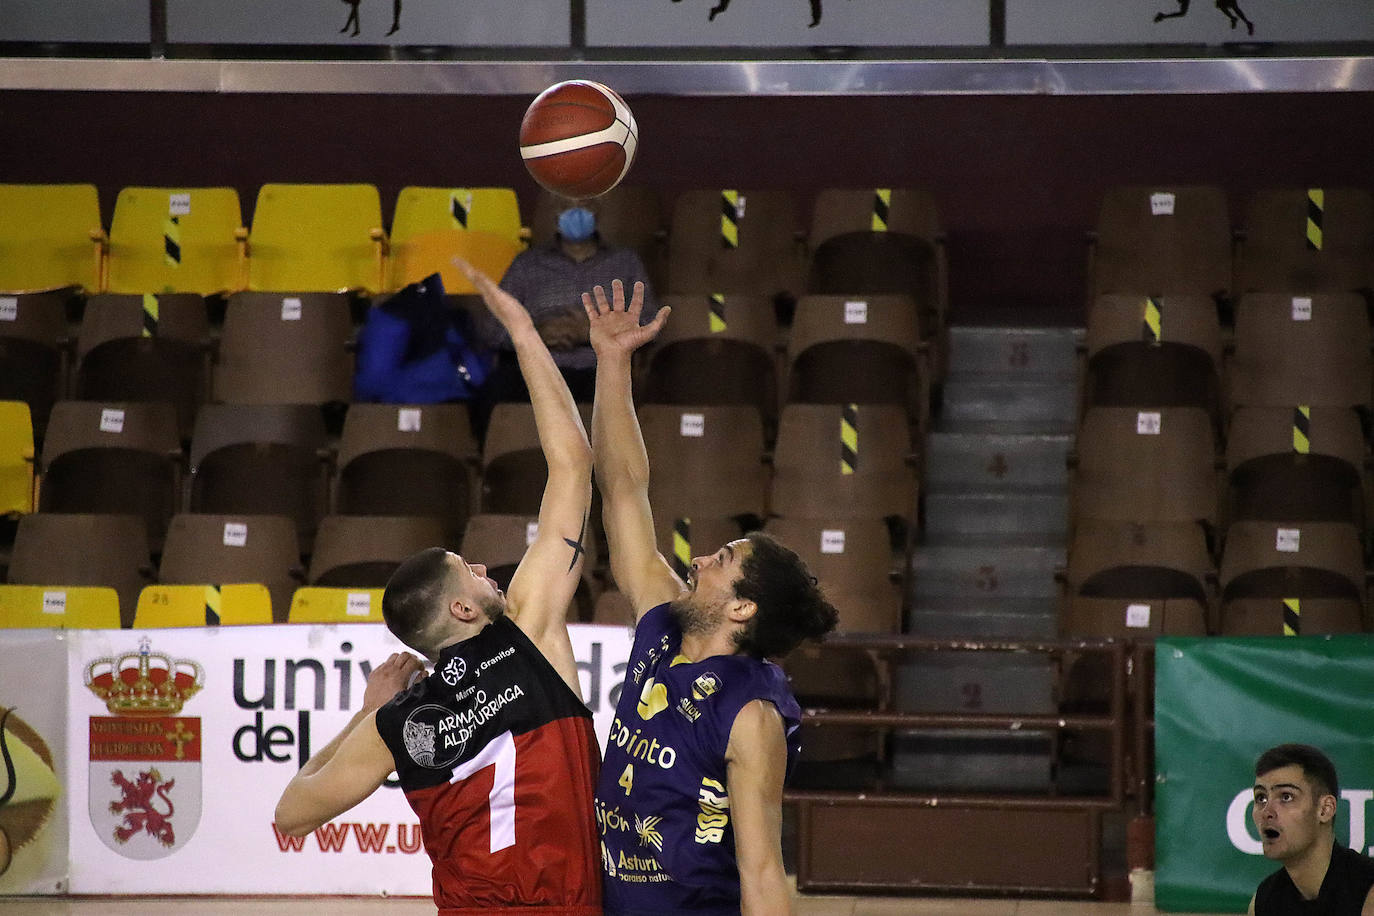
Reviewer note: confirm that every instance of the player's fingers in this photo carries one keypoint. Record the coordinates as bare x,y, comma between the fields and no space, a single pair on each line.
602,304
618,297
589,307
636,299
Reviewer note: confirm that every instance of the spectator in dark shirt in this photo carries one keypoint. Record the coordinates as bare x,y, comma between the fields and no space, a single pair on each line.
550,280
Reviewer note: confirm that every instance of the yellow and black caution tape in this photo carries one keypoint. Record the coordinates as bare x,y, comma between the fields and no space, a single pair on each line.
1316,206
849,438
682,547
729,219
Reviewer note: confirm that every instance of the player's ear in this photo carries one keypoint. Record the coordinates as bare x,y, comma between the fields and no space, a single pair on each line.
741,610
1326,809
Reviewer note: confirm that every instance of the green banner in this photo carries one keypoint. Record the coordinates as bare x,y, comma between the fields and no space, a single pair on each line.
1221,702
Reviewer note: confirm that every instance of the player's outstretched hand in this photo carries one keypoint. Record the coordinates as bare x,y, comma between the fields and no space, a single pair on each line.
391,677
500,303
615,324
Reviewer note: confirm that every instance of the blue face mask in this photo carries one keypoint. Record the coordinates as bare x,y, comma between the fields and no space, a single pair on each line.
576,224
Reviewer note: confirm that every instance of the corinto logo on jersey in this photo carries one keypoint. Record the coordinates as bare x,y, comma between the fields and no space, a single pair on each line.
453,672
427,741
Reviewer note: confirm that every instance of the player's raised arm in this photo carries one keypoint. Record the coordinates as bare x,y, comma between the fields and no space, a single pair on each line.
547,577
622,465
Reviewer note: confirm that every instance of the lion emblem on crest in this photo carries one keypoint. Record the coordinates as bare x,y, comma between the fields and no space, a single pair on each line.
139,806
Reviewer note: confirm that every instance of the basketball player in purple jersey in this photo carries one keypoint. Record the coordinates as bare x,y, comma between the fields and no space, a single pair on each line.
689,801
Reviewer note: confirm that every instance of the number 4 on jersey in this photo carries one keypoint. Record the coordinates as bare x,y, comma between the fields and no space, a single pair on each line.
627,778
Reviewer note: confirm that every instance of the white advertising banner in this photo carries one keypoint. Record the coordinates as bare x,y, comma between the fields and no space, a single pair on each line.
181,741
33,744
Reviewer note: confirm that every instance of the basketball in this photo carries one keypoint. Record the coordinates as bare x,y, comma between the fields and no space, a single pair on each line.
578,139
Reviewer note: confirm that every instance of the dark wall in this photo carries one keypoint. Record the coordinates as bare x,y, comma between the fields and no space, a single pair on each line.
1018,178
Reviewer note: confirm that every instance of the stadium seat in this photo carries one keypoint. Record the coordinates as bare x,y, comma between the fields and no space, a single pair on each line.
491,210
1153,465
176,240
317,238
513,468
1146,351
860,350
61,606
415,257
33,352
499,542
261,460
853,561
1296,464
707,461
1312,350
735,241
113,457
1307,240
362,551
408,460
109,551
203,605
1131,580
16,459
50,237
682,538
613,609
1292,578
849,461
312,604
278,349
1162,241
232,550
716,349
626,217
145,348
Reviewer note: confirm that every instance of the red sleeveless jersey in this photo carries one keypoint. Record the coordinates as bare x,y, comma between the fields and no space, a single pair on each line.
499,759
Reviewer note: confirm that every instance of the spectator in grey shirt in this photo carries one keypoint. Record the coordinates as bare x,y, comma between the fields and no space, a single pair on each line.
550,280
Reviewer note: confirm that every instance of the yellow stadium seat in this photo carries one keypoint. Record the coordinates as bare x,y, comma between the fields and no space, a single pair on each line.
419,256
16,458
202,605
336,605
422,210
317,237
176,240
85,608
50,237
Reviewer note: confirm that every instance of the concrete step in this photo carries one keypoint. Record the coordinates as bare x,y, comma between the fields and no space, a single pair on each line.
1046,407
974,682
988,618
1021,353
962,760
984,568
1024,512
995,461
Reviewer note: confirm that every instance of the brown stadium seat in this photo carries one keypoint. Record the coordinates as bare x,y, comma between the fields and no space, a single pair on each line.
218,549
881,240
613,609
362,551
113,458
735,241
1147,351
1161,241
514,471
1297,464
682,538
285,348
860,350
499,542
1131,580
84,550
1308,349
707,461
843,461
1307,240
1292,578
853,561
716,349
1146,465
261,459
408,460
626,217
33,346
145,348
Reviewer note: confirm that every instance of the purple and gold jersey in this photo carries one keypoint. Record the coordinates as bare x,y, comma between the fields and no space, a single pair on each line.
662,801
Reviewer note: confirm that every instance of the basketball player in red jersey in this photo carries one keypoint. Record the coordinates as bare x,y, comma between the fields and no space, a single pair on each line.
495,749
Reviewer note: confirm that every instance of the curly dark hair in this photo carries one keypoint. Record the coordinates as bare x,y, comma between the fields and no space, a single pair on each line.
791,607
1316,766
